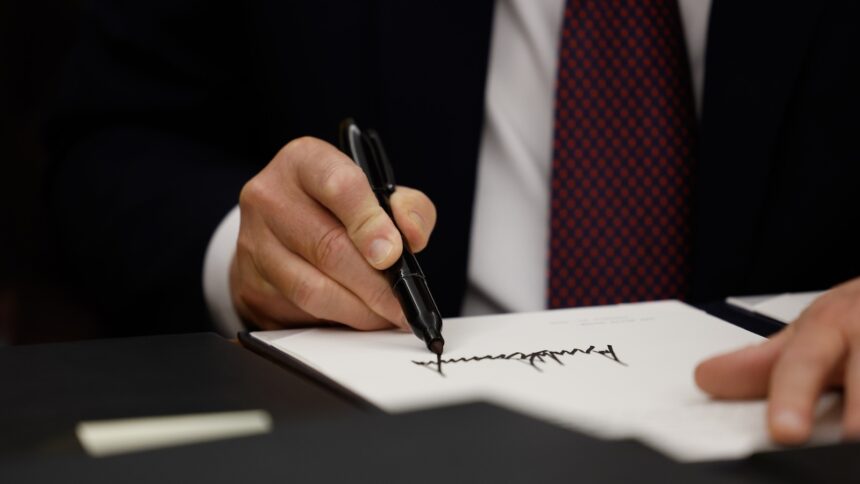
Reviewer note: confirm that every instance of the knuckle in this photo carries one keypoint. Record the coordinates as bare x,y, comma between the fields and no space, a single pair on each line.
817,360
255,193
419,198
368,221
422,204
331,248
340,178
819,314
299,147
812,357
299,153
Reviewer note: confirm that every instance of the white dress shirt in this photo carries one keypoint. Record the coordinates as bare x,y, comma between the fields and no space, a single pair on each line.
510,222
511,213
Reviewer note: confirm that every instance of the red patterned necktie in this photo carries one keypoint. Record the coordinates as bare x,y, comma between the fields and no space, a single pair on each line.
622,153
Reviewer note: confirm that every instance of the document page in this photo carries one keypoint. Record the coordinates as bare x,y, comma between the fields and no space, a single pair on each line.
784,308
614,371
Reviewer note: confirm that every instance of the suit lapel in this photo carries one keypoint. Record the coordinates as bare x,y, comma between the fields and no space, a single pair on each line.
755,54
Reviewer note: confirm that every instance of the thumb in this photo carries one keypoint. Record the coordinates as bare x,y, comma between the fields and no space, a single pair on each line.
415,215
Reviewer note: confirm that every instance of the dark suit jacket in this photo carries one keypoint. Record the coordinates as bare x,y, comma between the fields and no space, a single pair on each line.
170,106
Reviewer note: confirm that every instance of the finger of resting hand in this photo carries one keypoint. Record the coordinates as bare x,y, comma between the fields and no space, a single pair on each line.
851,418
415,215
321,240
336,182
798,378
315,293
743,373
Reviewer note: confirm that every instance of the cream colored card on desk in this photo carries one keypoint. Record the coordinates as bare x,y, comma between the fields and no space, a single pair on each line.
614,371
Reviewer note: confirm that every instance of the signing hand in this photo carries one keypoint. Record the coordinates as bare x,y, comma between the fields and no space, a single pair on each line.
819,350
312,240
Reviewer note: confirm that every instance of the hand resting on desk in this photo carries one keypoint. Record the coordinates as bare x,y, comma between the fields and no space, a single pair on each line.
821,349
312,239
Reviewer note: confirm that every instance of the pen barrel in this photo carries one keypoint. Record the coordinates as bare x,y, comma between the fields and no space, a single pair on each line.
410,287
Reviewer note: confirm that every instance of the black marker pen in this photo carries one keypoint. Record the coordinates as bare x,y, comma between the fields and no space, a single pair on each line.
406,277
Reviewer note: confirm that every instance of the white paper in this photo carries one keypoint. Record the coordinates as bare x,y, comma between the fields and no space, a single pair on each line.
648,393
784,308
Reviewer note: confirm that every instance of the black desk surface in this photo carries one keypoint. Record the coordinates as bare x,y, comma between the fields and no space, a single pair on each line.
318,436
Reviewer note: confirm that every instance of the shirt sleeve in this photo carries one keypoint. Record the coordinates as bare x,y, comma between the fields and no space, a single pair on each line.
216,275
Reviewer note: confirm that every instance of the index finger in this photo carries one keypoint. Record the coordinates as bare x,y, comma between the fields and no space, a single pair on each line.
336,182
743,373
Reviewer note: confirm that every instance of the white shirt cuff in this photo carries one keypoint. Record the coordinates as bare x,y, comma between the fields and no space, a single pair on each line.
216,275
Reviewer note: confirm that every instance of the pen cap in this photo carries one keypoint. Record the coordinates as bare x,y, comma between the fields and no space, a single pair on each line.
365,148
386,174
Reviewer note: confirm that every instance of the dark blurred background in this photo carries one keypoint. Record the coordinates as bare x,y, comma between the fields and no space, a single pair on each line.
35,38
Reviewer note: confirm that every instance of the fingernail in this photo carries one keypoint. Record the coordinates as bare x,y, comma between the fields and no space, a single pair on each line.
790,423
417,218
403,322
379,250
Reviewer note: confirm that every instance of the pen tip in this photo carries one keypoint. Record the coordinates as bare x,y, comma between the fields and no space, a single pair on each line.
436,346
